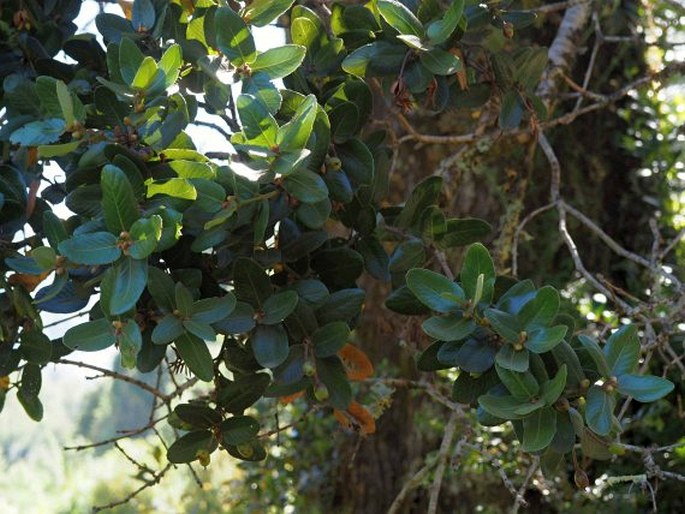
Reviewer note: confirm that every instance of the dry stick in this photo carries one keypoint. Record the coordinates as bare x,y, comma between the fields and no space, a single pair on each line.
520,494
125,435
443,457
517,234
411,484
593,58
148,483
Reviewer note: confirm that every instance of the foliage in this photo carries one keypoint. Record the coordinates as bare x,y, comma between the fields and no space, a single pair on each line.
250,267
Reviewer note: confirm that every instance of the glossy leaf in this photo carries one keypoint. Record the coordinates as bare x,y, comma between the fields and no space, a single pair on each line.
91,249
191,446
599,410
622,351
453,327
270,345
400,18
435,291
233,37
644,388
91,336
539,429
478,262
196,356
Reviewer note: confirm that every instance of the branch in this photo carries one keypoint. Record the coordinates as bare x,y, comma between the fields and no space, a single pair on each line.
443,457
148,483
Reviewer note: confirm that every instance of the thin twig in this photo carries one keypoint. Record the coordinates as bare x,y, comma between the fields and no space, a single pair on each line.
148,483
443,457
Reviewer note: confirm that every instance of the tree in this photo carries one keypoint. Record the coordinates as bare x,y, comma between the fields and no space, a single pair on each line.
271,271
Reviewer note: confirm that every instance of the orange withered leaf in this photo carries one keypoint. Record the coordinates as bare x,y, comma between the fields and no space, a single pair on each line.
290,398
127,8
462,79
357,364
356,418
28,282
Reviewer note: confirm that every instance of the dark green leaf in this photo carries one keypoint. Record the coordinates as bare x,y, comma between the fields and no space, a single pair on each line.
599,410
332,373
522,386
594,351
400,18
541,340
91,336
237,396
91,249
161,287
270,345
513,360
306,186
251,284
478,262
38,133
474,356
644,388
440,31
622,351
280,61
238,430
435,291
233,37
198,415
504,324
440,62
330,338
541,310
552,389
539,429
278,307
262,12
167,330
196,356
424,194
453,327
129,280
202,330
36,347
145,234
191,446
213,309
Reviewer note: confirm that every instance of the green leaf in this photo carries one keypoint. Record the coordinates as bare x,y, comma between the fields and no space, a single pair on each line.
196,356
377,58
463,231
251,284
474,356
552,389
130,58
233,37
130,341
59,150
539,429
295,134
44,256
214,309
440,62
31,404
278,307
183,299
565,355
130,278
66,102
541,340
513,360
237,396
145,234
270,345
306,186
435,291
644,388
522,386
119,205
91,249
541,310
262,12
341,305
36,347
280,61
190,446
144,77
505,407
476,262
240,321
202,330
595,352
530,64
512,111
453,327
258,123
252,451
400,18
38,133
440,31
198,415
161,287
170,64
622,351
91,336
504,324
167,330
238,430
331,372
425,194
143,15
330,338
175,187
599,410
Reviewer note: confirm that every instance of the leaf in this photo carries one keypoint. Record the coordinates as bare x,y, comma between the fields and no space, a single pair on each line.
213,309
38,133
440,31
190,446
129,280
435,291
565,355
202,330
595,352
504,324
513,360
474,356
119,205
552,389
332,374
280,61
599,410
130,341
539,429
426,193
622,351
251,284
130,59
196,356
239,321
306,186
512,111
453,327
541,310
257,121
295,134
31,404
238,430
357,364
175,187
476,262
146,74
644,388
145,234
463,231
167,330
522,386
377,58
143,15
170,64
66,102
198,415
330,338
233,37
270,345
504,407
36,347
278,307
541,340
440,62
91,336
44,256
400,18
91,249
262,12
237,396
343,305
